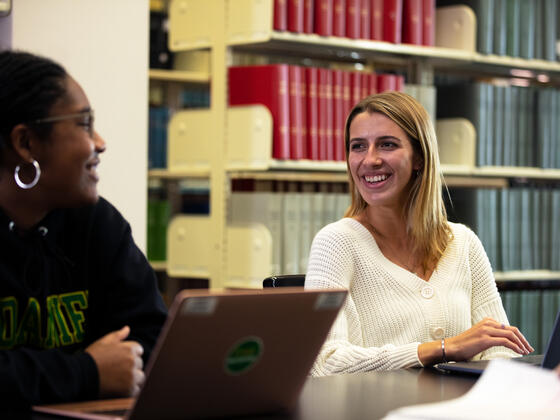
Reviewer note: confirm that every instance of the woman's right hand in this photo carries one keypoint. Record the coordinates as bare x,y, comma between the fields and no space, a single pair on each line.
119,364
485,334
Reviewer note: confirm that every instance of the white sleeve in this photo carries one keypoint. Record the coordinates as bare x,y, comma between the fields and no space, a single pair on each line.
485,301
331,266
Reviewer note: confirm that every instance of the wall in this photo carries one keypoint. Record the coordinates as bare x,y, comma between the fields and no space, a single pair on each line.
104,45
5,31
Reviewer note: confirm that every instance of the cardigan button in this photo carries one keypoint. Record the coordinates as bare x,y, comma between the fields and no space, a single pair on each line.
427,292
437,333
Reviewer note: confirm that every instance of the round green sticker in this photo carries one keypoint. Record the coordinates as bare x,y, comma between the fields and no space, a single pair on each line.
243,355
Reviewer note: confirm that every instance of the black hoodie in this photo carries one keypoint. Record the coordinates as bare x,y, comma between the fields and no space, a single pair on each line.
75,277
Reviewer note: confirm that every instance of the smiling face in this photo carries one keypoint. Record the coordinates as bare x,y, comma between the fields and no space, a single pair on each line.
381,160
69,155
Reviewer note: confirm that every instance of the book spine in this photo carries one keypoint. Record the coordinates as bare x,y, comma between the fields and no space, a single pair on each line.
324,17
392,21
297,110
295,15
365,19
376,26
355,87
280,15
326,151
312,80
353,8
308,16
339,18
339,114
412,22
429,23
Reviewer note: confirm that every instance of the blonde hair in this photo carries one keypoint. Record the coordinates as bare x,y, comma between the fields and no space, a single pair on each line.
424,211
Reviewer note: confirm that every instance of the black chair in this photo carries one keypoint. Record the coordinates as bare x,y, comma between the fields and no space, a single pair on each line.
288,280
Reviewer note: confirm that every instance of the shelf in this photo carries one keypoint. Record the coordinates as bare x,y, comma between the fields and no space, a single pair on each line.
159,265
307,171
501,172
334,48
527,275
179,76
177,174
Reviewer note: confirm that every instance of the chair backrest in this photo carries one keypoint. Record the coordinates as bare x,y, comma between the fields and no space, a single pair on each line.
287,280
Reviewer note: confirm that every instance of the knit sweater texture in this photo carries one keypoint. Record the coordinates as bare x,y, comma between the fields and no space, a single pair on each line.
390,311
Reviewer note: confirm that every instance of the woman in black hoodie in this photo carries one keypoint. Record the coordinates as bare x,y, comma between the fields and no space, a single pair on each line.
79,307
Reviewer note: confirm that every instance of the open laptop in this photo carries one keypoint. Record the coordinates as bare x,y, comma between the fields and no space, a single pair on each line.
226,353
549,360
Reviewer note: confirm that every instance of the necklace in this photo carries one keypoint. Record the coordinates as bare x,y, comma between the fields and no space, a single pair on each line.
391,253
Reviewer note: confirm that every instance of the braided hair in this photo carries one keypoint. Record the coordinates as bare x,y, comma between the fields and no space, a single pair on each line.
29,86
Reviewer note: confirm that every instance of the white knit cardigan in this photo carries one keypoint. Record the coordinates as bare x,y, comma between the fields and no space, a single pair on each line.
389,311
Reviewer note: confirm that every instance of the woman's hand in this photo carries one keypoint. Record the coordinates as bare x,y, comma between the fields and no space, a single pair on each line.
119,364
485,334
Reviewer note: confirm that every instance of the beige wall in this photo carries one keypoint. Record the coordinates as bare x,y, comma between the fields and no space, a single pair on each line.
104,45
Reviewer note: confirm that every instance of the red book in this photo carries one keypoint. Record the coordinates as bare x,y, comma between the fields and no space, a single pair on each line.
297,110
365,19
346,96
412,22
353,21
324,17
312,80
372,83
295,16
355,87
429,22
339,18
339,114
280,15
303,93
387,82
266,85
392,21
365,86
376,28
326,143
399,83
308,16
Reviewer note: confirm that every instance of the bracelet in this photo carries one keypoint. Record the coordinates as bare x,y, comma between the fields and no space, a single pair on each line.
443,358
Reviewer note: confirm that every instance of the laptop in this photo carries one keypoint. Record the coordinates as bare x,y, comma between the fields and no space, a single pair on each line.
226,353
549,360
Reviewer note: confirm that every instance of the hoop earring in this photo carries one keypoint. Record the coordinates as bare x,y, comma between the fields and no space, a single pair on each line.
23,185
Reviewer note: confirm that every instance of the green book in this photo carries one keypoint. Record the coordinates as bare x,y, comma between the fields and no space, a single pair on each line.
505,262
513,23
527,29
554,229
549,309
498,120
500,27
546,233
535,226
530,319
522,121
508,129
514,228
525,239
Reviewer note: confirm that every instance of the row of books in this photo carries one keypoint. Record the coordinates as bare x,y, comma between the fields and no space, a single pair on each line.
408,21
293,218
518,226
533,312
516,28
309,105
515,126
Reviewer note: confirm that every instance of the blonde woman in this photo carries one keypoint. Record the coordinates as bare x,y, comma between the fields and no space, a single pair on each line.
421,289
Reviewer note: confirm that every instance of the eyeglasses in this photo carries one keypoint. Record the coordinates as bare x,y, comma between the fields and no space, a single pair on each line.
87,121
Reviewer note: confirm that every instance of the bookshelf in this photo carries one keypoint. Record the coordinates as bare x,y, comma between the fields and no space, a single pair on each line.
239,146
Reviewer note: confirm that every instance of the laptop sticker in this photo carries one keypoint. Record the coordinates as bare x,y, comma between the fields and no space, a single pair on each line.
199,306
329,301
244,355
